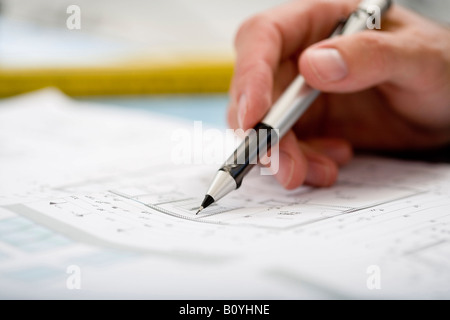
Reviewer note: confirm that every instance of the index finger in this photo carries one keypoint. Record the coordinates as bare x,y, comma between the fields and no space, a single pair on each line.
265,40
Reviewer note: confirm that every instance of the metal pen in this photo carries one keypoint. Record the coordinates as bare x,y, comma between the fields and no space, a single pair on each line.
281,116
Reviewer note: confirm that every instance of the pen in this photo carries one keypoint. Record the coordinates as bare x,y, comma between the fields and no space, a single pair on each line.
282,115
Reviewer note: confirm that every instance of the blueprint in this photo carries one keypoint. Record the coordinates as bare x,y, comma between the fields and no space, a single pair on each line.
97,187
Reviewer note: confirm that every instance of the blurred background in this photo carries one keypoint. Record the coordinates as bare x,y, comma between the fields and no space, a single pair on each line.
125,52
120,47
111,47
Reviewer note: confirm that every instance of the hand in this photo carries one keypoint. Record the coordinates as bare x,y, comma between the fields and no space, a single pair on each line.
383,89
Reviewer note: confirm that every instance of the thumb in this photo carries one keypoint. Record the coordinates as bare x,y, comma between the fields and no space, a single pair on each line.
357,62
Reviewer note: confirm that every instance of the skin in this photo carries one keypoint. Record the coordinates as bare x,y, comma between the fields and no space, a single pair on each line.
389,90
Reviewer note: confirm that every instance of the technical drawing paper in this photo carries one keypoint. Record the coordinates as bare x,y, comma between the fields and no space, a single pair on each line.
82,179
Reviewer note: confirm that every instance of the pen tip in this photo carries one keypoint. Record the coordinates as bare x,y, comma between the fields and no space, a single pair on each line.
206,202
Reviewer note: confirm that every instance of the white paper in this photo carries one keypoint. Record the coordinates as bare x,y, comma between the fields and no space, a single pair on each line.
96,187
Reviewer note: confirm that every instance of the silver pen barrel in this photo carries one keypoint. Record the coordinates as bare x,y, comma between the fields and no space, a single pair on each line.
255,145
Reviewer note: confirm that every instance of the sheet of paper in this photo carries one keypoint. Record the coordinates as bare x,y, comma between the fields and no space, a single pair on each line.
97,188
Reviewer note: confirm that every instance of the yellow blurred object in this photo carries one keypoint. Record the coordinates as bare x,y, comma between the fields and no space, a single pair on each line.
189,77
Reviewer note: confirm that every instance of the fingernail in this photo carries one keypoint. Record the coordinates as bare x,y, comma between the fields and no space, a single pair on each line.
242,110
327,64
285,169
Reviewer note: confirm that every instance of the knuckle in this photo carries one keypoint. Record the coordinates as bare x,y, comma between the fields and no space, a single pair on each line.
378,50
437,60
247,27
260,27
434,54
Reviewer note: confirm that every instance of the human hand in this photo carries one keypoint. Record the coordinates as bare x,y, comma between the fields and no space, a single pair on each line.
382,90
